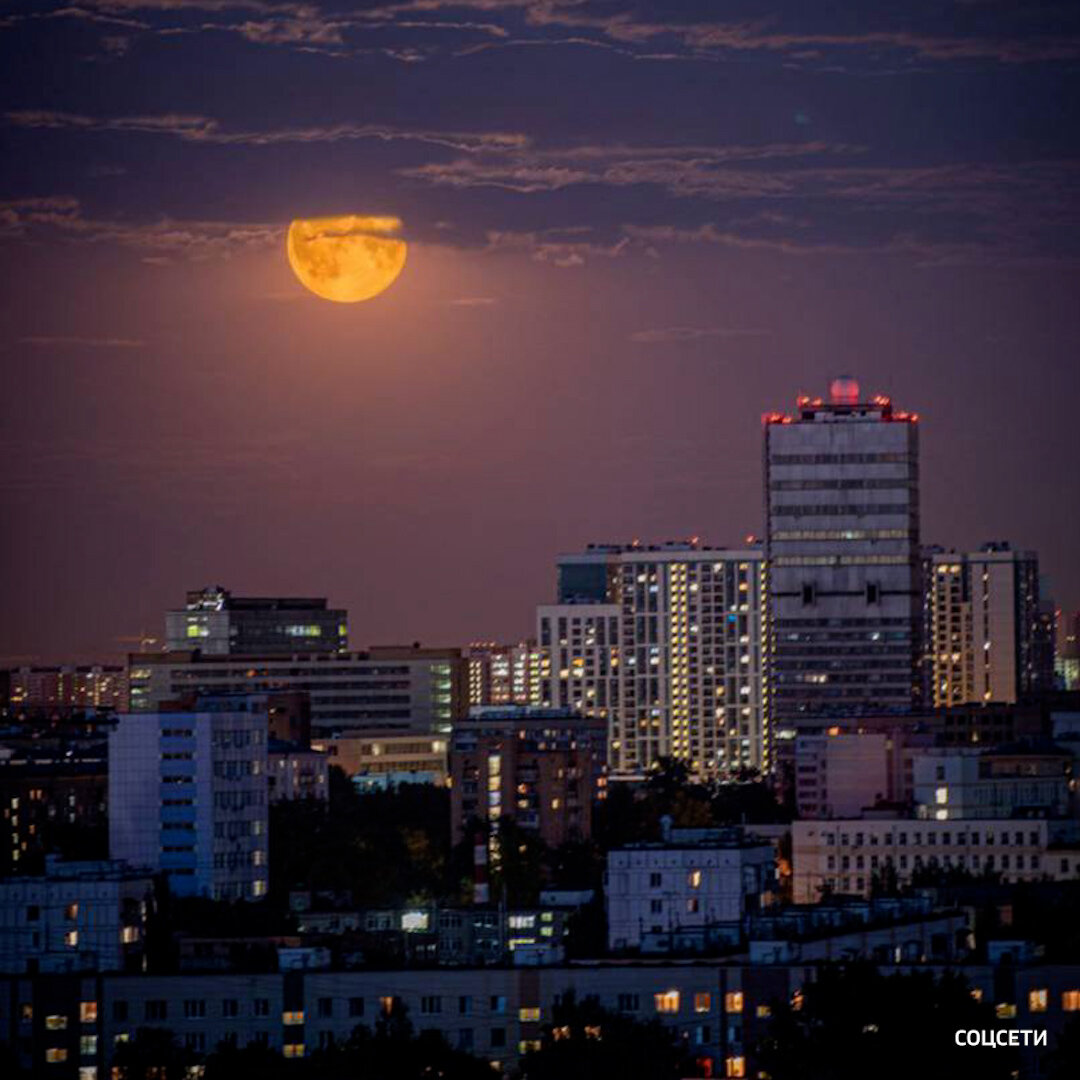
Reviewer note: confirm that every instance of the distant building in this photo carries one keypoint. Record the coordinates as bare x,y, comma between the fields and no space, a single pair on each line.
409,688
504,674
849,855
840,774
464,937
77,916
296,772
842,508
1067,651
68,686
984,631
53,790
685,892
542,767
188,796
386,758
1006,782
219,624
665,644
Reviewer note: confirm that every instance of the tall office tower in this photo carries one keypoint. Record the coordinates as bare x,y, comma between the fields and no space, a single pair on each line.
842,516
219,624
402,687
188,796
984,626
504,674
665,643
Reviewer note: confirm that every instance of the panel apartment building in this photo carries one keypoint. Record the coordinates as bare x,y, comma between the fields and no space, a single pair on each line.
188,796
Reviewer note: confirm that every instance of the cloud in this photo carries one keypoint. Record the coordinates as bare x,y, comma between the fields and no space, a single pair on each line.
202,129
682,170
83,342
672,334
545,247
156,240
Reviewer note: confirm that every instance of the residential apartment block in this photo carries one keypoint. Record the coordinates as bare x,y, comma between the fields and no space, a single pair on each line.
664,643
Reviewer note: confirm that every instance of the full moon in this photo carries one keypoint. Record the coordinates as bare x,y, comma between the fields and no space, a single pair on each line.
348,258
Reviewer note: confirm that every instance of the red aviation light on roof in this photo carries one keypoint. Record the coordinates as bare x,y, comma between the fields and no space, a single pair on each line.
844,390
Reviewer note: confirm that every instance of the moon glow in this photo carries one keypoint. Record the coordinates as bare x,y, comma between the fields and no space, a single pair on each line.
346,259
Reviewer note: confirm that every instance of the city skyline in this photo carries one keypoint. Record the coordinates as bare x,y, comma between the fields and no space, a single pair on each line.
153,629
632,228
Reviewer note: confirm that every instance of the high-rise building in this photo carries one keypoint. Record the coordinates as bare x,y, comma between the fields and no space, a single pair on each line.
504,674
842,519
542,767
984,631
219,624
664,643
188,796
394,687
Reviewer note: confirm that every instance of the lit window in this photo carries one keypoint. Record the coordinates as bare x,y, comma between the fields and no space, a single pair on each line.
1037,1000
695,879
87,1072
1005,1011
667,1001
976,994
529,1013
1070,1001
941,796
293,1050
292,1018
735,1066
88,1012
733,1001
55,1023
88,1045
763,1012
702,1002
71,939
55,1054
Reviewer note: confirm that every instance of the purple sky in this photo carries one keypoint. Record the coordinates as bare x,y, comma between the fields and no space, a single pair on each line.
633,228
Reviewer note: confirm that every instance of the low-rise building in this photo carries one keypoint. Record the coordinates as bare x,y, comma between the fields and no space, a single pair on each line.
296,772
691,890
850,855
384,758
1002,782
722,1011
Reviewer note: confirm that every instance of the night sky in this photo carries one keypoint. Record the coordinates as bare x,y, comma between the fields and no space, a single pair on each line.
633,228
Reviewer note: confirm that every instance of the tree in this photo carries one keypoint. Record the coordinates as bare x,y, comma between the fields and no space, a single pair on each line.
153,1054
852,1022
585,1041
1063,1062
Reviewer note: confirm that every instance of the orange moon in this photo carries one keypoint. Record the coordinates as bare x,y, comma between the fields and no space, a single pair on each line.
346,259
